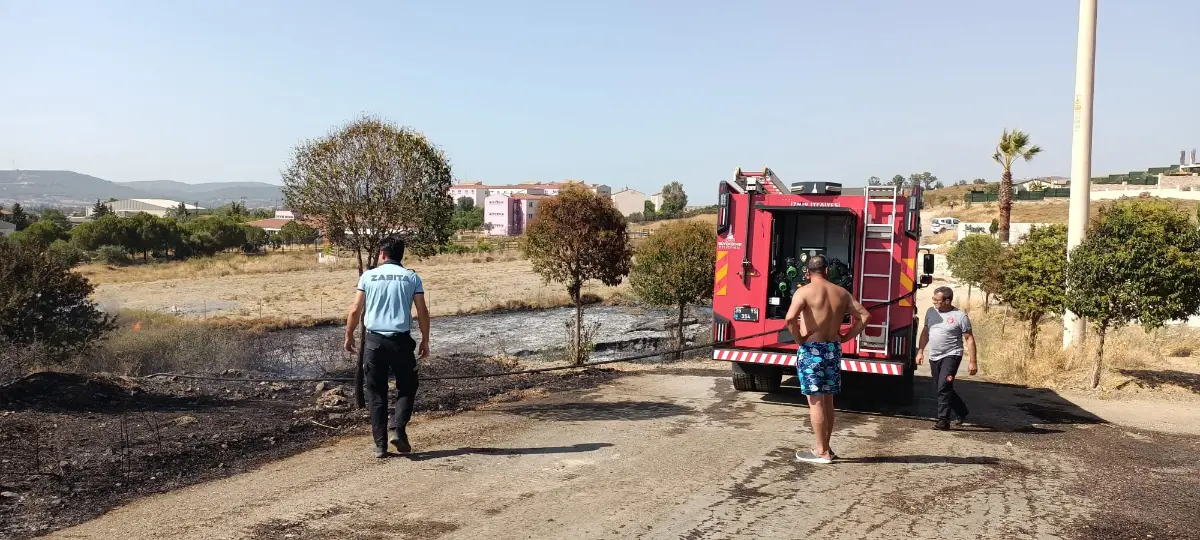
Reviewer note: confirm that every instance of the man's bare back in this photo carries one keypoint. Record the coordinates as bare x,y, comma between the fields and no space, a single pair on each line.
818,309
815,321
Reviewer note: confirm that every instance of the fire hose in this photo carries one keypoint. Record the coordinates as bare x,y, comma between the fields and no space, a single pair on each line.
677,350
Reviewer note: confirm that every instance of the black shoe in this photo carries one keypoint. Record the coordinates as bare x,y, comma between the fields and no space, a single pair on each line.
400,441
942,425
960,420
381,451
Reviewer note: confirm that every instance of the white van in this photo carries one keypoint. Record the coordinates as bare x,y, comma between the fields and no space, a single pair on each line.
943,224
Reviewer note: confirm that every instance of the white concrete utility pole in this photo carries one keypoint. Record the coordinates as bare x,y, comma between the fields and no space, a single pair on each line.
1074,328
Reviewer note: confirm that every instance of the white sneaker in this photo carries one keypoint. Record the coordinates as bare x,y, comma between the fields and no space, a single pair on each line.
809,457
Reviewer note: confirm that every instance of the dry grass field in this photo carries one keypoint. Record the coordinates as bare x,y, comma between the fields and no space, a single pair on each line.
706,218
293,286
1051,211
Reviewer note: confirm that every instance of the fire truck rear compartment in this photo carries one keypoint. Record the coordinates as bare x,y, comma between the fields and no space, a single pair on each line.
797,235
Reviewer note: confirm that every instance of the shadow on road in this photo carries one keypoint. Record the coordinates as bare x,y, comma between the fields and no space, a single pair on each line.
1157,379
995,407
597,410
575,448
950,460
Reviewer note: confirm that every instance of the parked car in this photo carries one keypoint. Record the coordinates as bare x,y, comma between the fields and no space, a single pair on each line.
943,224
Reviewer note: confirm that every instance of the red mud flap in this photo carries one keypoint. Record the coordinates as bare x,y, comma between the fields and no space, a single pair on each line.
789,359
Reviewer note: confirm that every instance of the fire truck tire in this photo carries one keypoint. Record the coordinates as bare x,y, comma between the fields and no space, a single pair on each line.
743,377
768,379
903,394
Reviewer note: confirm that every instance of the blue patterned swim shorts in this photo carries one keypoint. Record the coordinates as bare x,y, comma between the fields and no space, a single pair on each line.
819,366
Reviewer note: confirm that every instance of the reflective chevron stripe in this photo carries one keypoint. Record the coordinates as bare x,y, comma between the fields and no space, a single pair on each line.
785,359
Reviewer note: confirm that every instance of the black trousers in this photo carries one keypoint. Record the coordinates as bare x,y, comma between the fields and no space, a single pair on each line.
944,371
394,354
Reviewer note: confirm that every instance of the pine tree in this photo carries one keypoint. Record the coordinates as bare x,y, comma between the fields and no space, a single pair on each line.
100,210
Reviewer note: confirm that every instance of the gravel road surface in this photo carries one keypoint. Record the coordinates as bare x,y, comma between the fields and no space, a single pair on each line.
682,455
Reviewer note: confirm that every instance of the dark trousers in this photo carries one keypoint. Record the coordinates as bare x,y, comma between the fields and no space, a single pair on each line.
393,354
944,371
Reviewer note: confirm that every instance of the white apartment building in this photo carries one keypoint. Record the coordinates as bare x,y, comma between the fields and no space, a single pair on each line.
475,191
629,201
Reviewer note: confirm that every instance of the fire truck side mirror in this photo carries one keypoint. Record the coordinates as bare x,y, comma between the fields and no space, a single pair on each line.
927,264
926,280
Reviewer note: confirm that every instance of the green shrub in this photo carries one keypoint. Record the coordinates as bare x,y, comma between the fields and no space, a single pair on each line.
113,256
68,253
43,302
455,249
484,246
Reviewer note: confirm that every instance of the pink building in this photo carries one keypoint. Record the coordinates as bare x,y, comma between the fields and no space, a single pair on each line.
507,215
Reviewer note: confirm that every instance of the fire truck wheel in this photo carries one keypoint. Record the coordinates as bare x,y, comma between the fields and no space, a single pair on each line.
743,378
768,379
756,377
902,394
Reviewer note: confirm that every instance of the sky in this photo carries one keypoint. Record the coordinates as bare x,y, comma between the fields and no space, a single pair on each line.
625,93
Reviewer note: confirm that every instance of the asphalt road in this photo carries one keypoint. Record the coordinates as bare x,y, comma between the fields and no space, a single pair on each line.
682,455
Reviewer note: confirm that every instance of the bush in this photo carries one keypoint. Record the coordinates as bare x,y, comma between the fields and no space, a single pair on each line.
43,302
978,261
455,249
1138,264
40,234
68,253
675,266
140,347
1035,277
113,256
484,246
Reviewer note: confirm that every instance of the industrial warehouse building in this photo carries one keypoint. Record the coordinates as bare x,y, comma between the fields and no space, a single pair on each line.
154,207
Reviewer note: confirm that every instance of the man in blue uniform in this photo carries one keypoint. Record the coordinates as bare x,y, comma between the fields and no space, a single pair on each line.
388,293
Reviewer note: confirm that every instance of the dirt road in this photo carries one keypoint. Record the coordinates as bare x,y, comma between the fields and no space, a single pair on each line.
681,455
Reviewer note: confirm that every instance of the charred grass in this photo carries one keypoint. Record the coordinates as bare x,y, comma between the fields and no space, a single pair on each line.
75,446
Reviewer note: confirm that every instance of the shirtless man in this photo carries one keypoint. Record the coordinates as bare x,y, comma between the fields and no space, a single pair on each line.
815,321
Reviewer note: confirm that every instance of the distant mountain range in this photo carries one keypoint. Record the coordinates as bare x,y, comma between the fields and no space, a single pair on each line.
68,188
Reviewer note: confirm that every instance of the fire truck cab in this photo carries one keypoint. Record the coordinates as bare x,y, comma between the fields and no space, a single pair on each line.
766,231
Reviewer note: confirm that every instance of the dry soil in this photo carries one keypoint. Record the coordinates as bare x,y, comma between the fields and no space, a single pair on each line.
682,455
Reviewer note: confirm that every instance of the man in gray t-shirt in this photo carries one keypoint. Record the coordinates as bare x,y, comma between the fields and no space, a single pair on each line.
947,333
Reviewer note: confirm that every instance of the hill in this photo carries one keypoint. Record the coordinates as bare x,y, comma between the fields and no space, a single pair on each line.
212,193
32,188
68,188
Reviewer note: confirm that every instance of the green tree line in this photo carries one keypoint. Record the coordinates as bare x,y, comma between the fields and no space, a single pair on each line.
114,240
1139,264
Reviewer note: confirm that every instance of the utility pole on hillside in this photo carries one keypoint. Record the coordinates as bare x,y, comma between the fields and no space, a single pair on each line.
1075,328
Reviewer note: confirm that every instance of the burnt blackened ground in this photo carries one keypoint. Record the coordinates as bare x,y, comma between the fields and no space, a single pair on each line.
1146,484
73,447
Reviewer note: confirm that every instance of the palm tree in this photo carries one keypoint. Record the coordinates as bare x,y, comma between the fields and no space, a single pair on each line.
1013,145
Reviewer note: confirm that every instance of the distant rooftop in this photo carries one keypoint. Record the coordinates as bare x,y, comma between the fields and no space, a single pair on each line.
164,203
529,184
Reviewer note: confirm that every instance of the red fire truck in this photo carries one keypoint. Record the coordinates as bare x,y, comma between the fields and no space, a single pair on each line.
766,231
